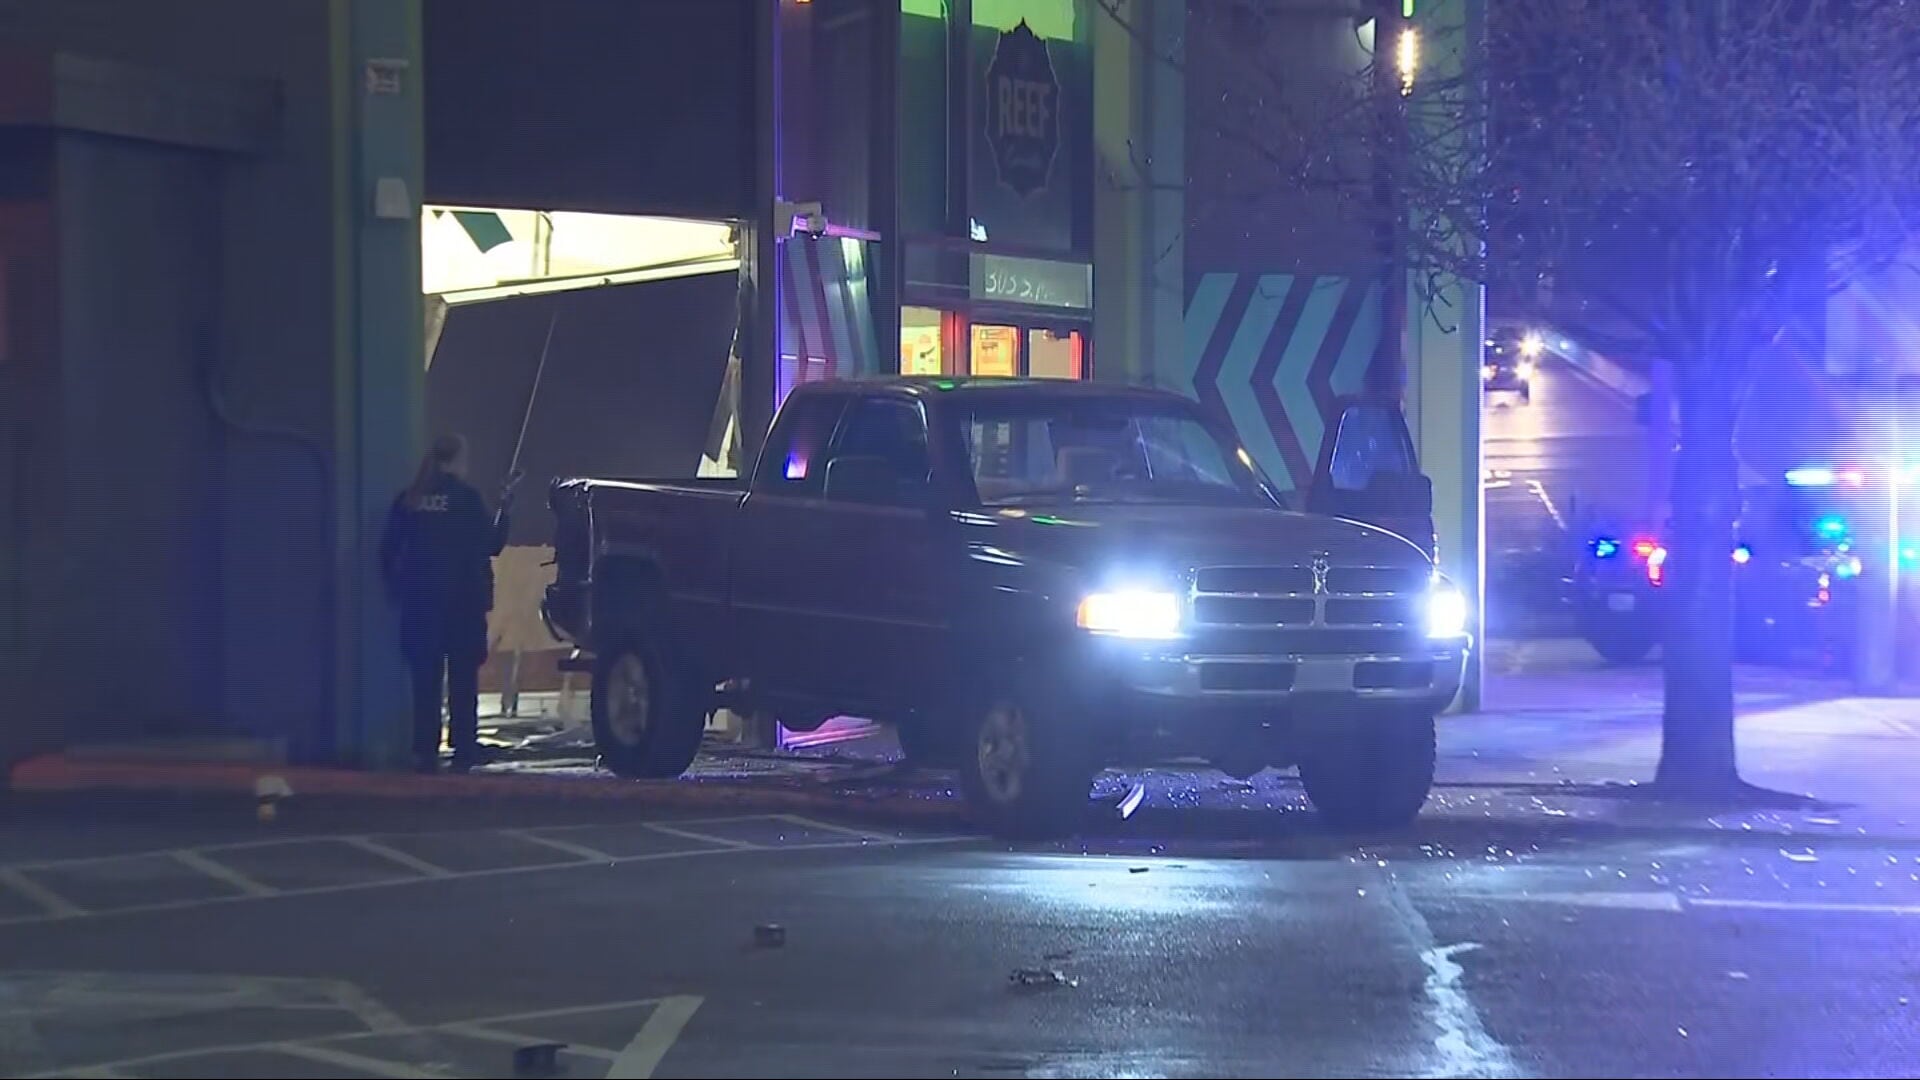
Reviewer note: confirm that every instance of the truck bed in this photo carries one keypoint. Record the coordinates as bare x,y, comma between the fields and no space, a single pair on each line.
681,525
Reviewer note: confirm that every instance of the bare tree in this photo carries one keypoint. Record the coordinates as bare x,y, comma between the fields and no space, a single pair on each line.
1726,150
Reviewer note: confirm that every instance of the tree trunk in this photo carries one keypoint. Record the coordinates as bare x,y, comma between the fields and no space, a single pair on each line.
1696,747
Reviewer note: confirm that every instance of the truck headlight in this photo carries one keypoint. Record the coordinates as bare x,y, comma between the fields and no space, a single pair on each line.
1446,612
1140,614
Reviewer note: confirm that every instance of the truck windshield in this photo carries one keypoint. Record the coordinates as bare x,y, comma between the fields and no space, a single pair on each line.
1032,453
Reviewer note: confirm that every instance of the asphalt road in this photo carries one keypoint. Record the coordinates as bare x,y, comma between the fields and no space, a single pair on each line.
181,939
1571,457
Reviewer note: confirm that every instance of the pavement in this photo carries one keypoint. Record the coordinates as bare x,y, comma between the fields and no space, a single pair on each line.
1544,918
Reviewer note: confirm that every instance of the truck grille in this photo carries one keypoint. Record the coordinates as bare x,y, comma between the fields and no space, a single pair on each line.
1276,610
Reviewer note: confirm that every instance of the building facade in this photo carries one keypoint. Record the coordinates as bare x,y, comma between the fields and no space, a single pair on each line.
219,281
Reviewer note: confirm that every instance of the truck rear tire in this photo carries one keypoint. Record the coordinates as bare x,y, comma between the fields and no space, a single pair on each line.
1024,772
648,717
1374,775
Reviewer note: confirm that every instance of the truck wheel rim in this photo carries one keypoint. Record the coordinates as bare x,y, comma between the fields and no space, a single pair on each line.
632,700
1003,753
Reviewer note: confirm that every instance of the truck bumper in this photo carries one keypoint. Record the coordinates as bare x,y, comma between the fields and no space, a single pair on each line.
1168,704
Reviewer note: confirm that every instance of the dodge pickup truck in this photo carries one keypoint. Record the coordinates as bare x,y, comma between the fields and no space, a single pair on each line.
1031,581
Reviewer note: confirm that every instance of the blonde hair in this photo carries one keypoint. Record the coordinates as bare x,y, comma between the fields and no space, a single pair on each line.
441,455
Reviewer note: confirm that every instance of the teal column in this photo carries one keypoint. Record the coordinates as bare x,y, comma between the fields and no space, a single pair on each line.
380,363
1444,390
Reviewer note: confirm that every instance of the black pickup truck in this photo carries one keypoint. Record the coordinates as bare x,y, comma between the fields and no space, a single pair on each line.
1032,581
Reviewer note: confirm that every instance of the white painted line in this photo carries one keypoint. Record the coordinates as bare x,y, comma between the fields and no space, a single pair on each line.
578,851
520,1038
1540,492
490,872
1808,907
1461,1045
221,872
55,905
394,855
700,837
828,826
1619,901
654,1039
346,1059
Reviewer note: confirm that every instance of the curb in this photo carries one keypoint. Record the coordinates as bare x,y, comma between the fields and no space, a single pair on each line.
63,775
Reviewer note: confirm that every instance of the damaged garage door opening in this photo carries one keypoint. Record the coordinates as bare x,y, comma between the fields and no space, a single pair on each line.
636,318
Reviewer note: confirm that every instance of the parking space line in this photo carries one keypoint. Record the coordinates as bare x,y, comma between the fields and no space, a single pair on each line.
828,826
394,855
704,838
597,859
654,1039
346,1059
488,1033
56,906
579,851
221,872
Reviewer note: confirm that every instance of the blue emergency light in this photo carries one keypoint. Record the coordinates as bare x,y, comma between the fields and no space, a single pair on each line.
1605,547
1809,477
1831,527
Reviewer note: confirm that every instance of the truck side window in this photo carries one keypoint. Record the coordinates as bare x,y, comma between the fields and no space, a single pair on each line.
795,460
893,430
1372,441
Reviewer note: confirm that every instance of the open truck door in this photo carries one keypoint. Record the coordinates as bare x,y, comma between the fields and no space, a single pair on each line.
1368,471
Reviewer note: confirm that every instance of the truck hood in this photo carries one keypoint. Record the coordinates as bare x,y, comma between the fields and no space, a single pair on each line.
1102,538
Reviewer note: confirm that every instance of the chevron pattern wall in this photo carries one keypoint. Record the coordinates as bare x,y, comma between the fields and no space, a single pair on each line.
1274,352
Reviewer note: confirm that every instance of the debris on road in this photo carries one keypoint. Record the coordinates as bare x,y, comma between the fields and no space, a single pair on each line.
770,935
1138,869
1041,979
267,793
1805,855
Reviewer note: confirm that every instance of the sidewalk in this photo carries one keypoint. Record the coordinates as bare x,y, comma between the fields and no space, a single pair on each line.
1561,736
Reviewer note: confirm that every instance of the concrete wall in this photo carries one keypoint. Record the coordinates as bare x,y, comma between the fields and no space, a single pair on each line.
128,596
27,343
1139,192
1284,306
197,557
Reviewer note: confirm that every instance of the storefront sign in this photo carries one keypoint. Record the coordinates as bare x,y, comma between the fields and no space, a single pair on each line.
1039,282
1023,110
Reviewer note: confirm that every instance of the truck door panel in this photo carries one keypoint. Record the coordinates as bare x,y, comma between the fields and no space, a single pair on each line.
889,615
781,552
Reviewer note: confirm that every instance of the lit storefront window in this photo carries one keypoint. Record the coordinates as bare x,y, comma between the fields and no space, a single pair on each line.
1055,355
996,351
922,352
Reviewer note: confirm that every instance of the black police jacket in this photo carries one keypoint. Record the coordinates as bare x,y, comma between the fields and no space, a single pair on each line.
437,551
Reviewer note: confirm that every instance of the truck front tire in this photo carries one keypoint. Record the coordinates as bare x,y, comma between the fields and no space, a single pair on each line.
648,717
1375,773
1026,773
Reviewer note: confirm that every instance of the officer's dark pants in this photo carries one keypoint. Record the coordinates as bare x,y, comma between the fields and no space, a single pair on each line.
444,651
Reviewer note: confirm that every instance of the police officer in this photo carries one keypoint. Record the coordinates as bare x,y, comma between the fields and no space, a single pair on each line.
437,556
